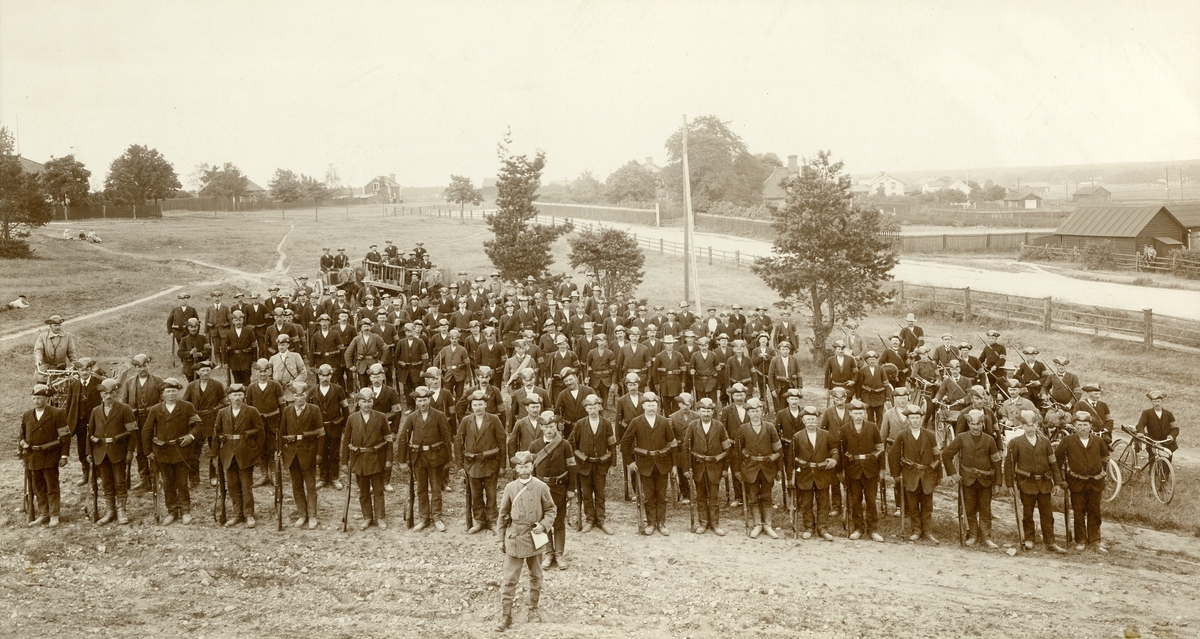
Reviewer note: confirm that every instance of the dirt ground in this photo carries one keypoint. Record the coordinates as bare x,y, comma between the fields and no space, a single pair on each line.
144,580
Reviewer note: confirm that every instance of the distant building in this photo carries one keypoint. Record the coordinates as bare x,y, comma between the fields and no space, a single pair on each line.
939,184
773,192
1129,228
889,184
1040,188
253,192
383,189
1188,214
1091,195
489,189
649,165
1026,199
29,166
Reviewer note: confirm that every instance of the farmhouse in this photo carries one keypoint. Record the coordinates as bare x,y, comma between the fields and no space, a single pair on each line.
1091,195
1026,199
384,189
772,192
1129,228
889,185
939,184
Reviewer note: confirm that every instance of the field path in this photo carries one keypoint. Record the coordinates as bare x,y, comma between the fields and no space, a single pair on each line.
82,318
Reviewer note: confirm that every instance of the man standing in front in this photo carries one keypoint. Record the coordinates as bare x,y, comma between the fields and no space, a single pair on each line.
109,428
303,441
1086,457
480,450
815,454
554,464
1032,467
526,507
424,449
367,452
978,463
594,441
705,447
650,442
169,434
861,447
44,445
240,432
756,464
916,461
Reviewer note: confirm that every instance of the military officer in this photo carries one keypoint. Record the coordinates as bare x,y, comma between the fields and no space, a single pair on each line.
526,507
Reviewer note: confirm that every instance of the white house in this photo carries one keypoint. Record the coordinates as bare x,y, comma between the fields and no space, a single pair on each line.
935,185
890,185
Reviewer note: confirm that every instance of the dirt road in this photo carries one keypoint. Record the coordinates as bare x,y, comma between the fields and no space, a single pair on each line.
1032,282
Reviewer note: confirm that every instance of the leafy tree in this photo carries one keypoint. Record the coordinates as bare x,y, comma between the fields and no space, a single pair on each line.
314,189
226,181
722,168
65,180
950,196
333,181
22,201
520,249
586,189
140,174
613,255
827,256
461,192
631,183
285,186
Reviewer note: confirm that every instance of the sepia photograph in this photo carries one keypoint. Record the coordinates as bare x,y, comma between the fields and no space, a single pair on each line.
682,319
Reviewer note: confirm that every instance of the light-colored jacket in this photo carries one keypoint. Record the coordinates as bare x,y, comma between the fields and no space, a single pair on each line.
520,510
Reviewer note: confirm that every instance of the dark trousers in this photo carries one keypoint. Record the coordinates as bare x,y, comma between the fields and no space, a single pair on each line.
592,494
977,505
835,493
484,509
814,508
858,490
428,481
685,491
45,491
370,496
1085,504
304,489
271,427
143,464
558,492
176,495
81,441
918,505
758,492
112,480
241,376
654,494
875,414
331,454
708,502
737,485
239,485
1045,512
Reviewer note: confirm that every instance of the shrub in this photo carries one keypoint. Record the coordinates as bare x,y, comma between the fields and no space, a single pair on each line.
1099,256
1186,263
1037,253
15,250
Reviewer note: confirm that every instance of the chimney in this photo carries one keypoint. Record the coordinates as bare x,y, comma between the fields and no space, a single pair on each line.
792,166
392,176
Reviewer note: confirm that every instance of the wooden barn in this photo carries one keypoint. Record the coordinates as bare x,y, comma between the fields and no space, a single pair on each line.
1188,214
1129,228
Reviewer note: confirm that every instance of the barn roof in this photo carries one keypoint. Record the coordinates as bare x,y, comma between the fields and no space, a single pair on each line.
1188,213
1109,220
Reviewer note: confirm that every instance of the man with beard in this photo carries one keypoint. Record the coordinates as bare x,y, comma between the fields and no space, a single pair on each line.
526,507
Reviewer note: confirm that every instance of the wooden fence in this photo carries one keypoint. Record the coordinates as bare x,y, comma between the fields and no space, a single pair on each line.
1171,264
104,211
224,204
1145,326
645,217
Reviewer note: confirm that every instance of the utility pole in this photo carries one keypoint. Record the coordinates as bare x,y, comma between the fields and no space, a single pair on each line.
687,219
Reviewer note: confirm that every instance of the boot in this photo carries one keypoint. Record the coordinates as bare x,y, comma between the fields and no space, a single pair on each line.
757,529
767,517
122,518
111,514
534,615
505,619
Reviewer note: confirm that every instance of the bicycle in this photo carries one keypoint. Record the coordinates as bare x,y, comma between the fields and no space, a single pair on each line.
1123,466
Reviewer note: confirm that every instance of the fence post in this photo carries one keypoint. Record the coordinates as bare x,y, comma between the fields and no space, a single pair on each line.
900,291
103,210
657,215
1148,318
1047,310
944,241
660,246
710,256
987,240
737,259
967,304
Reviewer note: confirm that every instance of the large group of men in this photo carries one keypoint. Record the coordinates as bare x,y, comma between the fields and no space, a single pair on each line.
334,386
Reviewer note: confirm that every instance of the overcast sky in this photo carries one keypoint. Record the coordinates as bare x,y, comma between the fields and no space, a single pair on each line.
424,90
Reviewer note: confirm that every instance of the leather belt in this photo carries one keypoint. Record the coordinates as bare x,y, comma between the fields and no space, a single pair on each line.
905,462
1078,476
232,438
425,449
761,458
981,473
1031,477
709,458
271,414
356,449
104,440
173,442
484,455
603,372
584,458
652,453
860,457
556,480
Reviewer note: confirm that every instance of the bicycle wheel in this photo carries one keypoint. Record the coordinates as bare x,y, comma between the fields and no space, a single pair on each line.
1114,481
1162,480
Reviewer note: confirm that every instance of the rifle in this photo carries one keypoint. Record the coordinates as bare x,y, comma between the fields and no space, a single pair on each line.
692,489
745,508
791,478
1067,515
638,494
219,513
578,504
883,507
962,516
279,476
728,486
28,499
349,485
626,476
846,504
92,481
412,491
903,504
467,489
154,489
1020,525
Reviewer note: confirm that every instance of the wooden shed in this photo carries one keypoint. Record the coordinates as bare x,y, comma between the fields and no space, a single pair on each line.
1188,214
1129,228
